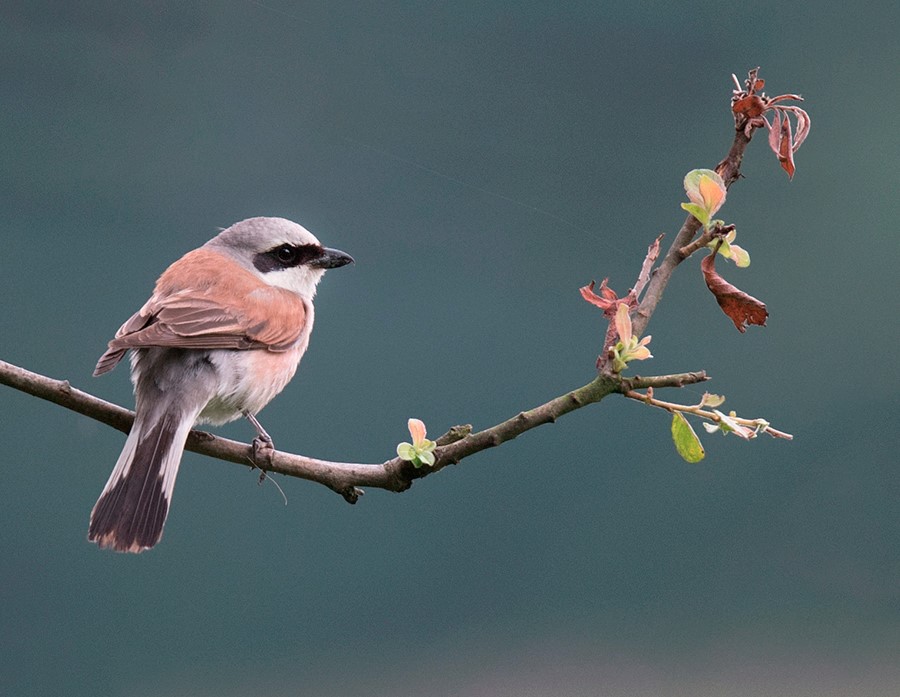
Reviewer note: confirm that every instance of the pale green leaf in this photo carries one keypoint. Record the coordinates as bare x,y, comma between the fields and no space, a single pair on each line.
686,442
740,256
712,400
706,187
698,211
406,451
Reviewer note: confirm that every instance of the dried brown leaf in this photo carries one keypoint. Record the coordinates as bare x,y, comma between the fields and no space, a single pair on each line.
605,301
785,150
803,124
774,131
750,106
743,309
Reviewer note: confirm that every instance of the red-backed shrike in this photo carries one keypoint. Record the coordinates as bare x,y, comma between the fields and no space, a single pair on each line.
222,334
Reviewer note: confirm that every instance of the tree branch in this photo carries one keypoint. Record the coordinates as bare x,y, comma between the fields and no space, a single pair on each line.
730,171
346,477
599,388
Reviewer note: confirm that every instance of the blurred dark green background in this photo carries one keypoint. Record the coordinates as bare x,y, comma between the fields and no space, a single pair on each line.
481,161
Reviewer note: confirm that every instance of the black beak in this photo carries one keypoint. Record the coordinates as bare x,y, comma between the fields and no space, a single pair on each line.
331,259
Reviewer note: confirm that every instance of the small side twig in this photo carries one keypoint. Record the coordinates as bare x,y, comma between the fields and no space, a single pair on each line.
705,238
646,269
697,410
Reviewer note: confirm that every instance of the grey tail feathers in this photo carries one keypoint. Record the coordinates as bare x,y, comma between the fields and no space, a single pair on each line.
130,514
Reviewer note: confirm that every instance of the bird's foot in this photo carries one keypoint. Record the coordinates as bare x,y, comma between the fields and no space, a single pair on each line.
262,449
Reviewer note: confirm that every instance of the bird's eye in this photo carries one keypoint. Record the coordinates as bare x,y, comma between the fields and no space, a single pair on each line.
286,254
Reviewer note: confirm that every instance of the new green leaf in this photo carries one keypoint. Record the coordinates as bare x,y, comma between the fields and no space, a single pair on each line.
706,190
686,442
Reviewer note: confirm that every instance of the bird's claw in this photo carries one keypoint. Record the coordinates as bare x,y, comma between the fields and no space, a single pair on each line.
262,451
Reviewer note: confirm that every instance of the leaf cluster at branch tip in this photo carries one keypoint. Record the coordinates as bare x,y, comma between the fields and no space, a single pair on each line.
421,451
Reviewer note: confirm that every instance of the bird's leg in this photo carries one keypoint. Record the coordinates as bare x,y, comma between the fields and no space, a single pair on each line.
262,447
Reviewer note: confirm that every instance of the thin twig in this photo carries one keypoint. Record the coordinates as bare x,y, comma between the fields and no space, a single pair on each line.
646,268
697,410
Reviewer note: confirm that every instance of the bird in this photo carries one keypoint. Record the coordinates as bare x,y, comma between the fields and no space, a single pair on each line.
221,335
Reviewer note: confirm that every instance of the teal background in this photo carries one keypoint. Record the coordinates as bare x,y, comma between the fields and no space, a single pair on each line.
481,161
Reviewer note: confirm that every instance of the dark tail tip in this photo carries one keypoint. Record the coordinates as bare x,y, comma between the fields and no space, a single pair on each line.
121,523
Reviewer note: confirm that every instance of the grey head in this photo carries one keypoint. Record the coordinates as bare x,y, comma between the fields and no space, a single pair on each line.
280,252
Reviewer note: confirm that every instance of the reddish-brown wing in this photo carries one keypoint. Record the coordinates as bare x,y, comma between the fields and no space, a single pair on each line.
205,300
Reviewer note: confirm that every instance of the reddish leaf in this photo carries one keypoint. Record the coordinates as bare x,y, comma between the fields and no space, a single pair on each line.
803,124
750,106
784,143
605,301
416,431
786,148
743,309
785,98
774,131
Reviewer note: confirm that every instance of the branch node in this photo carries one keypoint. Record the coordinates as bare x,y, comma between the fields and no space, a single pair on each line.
454,434
577,399
351,494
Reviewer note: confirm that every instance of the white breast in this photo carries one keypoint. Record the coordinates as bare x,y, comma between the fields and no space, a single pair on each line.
249,380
